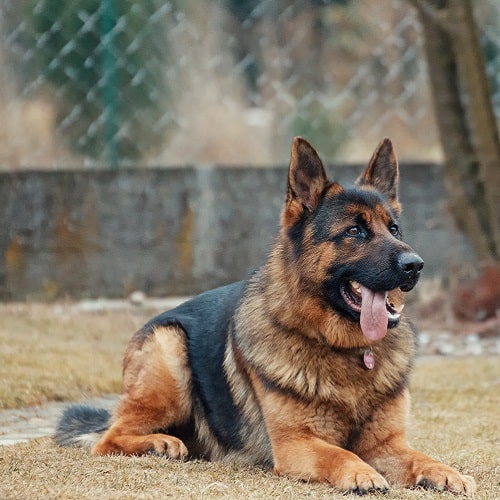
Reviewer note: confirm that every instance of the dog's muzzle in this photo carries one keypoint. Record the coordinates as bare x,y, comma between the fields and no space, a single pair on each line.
410,265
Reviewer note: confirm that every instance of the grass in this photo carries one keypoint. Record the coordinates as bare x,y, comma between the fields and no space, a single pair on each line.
59,353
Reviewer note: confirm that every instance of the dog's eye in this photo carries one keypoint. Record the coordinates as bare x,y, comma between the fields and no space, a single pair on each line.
354,231
394,229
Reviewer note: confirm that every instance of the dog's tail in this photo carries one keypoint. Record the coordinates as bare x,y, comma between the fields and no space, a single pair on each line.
81,426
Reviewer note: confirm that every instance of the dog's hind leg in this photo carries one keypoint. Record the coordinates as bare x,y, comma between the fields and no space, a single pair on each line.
156,396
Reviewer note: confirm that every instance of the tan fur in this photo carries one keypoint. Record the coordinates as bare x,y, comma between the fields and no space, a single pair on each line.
383,445
294,365
156,394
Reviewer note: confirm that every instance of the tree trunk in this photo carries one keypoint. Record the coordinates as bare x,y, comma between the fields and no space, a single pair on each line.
482,120
466,122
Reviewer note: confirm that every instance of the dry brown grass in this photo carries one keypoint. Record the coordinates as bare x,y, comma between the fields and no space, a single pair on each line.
56,352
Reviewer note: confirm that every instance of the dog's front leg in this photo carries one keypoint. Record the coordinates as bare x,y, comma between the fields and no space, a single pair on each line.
305,456
383,444
304,440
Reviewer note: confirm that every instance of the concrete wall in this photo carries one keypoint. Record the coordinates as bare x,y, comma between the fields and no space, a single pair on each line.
107,233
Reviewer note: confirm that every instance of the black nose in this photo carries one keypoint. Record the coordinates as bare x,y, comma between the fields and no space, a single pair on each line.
410,264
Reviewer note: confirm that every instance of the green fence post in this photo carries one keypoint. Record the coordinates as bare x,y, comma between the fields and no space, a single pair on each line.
110,83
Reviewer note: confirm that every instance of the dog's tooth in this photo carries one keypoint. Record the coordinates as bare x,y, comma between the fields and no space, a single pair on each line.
399,308
356,285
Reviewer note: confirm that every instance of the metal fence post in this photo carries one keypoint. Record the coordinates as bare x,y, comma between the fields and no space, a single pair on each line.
110,82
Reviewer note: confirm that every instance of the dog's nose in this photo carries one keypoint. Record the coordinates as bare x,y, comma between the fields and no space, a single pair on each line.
410,264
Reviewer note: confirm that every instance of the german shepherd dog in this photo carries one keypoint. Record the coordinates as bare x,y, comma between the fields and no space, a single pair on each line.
304,366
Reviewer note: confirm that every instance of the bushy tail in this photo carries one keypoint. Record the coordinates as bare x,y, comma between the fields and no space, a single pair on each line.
81,426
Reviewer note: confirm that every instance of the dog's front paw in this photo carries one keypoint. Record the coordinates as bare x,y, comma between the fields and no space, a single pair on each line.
169,446
443,478
360,479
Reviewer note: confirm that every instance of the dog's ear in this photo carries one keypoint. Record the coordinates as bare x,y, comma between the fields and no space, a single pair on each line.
382,173
306,180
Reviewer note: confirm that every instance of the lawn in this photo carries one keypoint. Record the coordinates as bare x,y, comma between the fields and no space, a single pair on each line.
60,353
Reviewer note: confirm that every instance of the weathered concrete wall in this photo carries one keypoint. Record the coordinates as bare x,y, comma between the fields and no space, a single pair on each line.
168,231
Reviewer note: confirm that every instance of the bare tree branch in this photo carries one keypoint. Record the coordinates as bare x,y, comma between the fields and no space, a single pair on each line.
434,13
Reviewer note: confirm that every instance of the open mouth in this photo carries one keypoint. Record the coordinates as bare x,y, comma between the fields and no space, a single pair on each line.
377,312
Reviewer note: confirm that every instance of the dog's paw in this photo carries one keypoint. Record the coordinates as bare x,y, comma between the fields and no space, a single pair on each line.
150,444
361,480
443,478
169,446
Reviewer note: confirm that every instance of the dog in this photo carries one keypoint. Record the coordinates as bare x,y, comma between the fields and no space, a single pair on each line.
304,366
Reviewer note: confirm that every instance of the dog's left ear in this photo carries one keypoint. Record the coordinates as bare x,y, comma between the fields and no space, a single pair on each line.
306,181
382,173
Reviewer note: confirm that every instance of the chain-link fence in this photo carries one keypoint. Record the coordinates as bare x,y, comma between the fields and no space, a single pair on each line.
158,82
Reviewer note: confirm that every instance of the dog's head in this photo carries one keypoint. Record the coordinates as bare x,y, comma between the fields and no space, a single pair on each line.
346,243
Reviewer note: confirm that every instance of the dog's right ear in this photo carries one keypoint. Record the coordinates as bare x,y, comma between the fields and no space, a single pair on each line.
382,173
306,181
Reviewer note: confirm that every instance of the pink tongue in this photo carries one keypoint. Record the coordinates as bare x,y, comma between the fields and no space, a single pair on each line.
373,314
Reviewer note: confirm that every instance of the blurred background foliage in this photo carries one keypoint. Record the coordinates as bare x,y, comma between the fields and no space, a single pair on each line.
155,82
104,60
